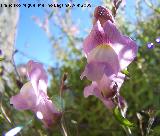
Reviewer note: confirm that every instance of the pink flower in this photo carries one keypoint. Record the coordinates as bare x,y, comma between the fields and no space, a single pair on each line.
105,89
107,52
33,95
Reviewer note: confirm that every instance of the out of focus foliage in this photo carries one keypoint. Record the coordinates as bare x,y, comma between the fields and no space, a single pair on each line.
89,116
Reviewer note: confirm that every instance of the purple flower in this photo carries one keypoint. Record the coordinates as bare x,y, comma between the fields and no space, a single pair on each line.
107,52
105,89
158,40
150,45
33,95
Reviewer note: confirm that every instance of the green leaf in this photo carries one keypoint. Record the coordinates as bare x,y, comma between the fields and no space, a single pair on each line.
58,102
125,71
121,119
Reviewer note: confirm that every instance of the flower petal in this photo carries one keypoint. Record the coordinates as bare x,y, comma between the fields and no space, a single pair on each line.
37,73
46,111
94,71
119,79
112,34
105,85
128,53
42,86
94,39
125,47
90,90
93,90
108,103
105,54
26,99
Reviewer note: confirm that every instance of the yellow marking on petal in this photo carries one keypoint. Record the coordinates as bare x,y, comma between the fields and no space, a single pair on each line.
102,53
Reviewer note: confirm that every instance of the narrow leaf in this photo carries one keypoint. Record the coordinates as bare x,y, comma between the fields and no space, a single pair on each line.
121,119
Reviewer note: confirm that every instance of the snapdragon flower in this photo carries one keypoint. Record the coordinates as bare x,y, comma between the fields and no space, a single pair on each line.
108,52
33,95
